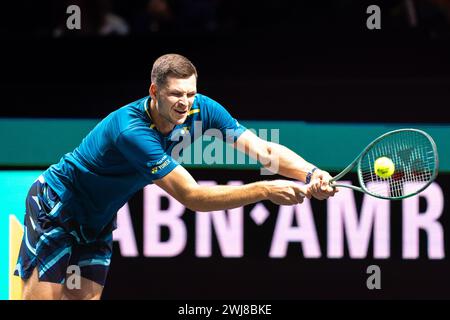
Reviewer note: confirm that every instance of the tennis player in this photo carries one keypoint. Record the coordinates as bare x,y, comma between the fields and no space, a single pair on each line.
71,208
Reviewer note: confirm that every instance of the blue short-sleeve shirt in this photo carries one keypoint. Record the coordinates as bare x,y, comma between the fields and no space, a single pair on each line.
125,152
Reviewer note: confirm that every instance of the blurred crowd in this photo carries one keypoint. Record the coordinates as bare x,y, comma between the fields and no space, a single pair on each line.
117,17
109,17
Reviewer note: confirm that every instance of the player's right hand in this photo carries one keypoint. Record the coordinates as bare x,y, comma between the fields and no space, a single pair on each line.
285,192
320,185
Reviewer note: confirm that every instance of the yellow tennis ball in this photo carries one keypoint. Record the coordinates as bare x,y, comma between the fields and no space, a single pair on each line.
384,167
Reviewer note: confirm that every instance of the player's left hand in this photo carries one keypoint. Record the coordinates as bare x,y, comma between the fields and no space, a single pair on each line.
320,185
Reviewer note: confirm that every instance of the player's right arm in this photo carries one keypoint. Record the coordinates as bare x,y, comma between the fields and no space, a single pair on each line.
182,186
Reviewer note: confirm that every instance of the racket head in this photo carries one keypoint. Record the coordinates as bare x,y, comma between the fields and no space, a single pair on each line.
415,158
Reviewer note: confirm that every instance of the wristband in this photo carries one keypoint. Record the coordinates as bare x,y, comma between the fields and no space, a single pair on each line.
309,175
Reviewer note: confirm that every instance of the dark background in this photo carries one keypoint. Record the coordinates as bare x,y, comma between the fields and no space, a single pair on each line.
296,60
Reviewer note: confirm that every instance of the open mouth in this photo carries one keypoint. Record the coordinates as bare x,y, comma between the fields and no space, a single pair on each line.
181,112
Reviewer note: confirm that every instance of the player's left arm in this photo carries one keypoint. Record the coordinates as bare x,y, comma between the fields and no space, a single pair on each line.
271,155
281,160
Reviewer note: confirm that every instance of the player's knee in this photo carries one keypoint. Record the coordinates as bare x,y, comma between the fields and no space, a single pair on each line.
41,293
81,295
33,289
89,290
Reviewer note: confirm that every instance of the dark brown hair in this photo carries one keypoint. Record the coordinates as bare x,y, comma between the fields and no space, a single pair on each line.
171,65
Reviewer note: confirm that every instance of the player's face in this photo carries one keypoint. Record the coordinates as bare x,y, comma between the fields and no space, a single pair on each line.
175,99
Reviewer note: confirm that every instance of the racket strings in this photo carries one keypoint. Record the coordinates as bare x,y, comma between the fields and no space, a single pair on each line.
413,156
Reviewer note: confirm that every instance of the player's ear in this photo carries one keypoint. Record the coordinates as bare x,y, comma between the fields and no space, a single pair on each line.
152,91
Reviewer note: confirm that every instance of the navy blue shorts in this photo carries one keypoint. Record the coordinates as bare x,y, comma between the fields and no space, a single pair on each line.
52,244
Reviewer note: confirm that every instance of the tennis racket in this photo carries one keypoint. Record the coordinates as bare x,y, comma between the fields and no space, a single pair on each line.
414,155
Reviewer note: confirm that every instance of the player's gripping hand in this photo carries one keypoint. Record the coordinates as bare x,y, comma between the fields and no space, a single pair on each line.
320,185
285,192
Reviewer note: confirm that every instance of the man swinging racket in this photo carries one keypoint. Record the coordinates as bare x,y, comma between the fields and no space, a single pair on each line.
71,208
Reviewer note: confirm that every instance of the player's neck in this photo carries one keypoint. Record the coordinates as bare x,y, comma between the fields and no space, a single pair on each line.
161,124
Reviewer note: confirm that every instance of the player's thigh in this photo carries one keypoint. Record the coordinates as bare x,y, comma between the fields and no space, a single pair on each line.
87,290
33,289
92,262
